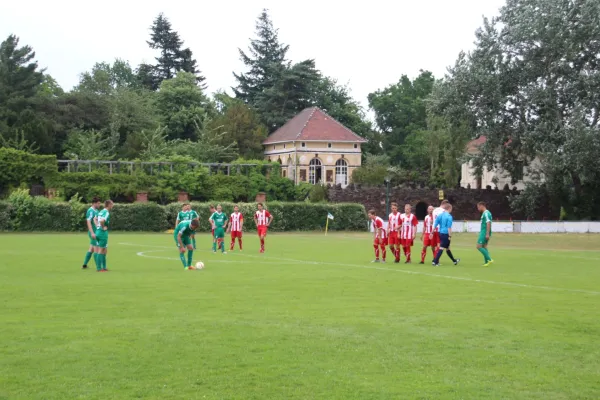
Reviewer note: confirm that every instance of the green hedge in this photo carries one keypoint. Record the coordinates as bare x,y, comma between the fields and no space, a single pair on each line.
6,216
164,187
19,167
25,213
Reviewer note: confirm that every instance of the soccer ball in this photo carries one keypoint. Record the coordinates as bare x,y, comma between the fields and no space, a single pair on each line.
199,265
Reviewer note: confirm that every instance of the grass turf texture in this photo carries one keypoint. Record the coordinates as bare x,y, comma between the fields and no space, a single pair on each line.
311,318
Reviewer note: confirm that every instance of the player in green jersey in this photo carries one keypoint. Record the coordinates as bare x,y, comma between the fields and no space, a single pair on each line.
219,222
182,236
103,222
90,220
485,233
182,215
187,214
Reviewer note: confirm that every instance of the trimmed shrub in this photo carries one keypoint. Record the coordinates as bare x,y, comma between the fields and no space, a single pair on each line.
26,213
148,217
163,187
19,167
6,216
39,213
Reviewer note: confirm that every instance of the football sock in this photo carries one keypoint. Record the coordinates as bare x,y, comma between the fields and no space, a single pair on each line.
190,257
214,246
182,258
433,251
439,253
383,252
450,255
97,261
240,242
88,256
194,242
222,245
232,245
483,254
262,243
376,248
486,254
423,254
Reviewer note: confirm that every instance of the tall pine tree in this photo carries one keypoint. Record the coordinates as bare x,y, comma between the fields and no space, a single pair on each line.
21,105
265,60
173,58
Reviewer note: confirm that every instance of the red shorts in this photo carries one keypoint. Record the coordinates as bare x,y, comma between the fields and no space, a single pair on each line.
262,230
380,241
236,234
393,238
407,242
433,242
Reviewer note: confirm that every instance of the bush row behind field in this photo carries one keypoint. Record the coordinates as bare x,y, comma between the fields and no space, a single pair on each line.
25,213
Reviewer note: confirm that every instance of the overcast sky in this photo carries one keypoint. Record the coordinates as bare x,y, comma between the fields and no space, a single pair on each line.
368,45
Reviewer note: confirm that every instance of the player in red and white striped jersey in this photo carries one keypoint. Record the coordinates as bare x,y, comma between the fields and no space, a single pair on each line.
262,219
236,223
392,232
380,239
426,237
408,230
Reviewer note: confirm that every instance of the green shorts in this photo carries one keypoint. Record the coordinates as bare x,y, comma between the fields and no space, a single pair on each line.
219,233
186,240
482,240
102,239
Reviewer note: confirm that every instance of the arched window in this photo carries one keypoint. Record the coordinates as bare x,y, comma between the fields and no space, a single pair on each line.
314,171
341,172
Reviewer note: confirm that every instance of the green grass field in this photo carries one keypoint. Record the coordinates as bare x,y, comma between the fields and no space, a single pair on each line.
310,319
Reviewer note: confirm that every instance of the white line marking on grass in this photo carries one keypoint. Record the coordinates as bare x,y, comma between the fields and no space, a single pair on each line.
145,254
405,271
500,247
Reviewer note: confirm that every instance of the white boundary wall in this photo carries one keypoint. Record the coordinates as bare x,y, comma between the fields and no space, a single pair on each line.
522,227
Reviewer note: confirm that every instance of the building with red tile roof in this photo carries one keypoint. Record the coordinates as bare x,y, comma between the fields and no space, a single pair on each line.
313,147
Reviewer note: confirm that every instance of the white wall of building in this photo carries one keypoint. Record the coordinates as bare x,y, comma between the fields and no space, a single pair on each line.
487,179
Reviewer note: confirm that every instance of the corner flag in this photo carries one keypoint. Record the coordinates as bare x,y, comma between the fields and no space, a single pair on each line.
329,216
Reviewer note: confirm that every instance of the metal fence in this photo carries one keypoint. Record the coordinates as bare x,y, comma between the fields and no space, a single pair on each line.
129,167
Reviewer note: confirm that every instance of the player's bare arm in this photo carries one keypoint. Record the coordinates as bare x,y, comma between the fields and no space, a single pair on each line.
181,246
91,229
269,220
488,228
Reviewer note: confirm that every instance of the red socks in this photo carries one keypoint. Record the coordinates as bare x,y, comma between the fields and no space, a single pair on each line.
376,248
